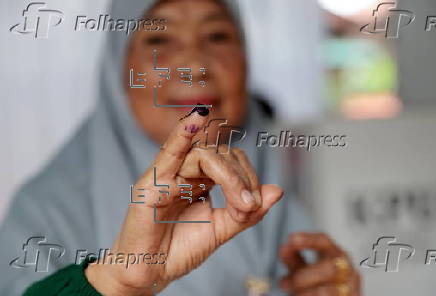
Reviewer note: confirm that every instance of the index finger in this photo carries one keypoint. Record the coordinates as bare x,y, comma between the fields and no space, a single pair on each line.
291,257
319,242
179,142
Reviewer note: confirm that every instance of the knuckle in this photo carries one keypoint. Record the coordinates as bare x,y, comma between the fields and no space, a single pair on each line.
177,154
237,151
321,235
324,238
203,152
296,238
234,180
183,135
223,149
241,154
233,155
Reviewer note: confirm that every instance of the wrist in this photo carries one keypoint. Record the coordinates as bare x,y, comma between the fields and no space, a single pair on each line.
102,278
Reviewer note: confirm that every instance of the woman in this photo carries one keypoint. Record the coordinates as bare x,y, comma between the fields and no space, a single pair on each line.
80,203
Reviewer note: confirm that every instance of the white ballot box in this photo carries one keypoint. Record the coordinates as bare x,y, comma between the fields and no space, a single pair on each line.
376,195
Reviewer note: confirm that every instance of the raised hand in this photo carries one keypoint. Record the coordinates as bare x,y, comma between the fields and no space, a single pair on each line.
187,245
331,275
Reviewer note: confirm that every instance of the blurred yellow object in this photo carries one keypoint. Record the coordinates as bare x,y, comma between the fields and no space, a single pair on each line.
257,286
343,269
343,290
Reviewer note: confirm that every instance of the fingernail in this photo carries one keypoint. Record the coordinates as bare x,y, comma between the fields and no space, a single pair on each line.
247,197
257,196
203,111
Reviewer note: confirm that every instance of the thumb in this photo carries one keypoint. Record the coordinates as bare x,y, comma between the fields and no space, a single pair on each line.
227,227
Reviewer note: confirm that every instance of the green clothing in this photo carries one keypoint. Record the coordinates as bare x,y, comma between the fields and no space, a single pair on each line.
68,281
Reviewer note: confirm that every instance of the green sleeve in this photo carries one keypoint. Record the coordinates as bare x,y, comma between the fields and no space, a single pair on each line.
68,281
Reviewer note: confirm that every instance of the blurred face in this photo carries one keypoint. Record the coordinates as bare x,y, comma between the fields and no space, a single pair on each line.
199,34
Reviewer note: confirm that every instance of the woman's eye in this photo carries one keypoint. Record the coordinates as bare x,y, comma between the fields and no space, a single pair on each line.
219,37
156,40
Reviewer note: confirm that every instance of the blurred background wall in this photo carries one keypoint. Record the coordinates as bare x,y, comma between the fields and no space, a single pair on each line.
47,88
416,56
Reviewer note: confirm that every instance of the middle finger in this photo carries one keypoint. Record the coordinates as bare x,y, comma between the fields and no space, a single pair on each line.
222,170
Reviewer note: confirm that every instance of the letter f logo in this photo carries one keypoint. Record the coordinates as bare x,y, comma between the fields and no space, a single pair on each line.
388,253
389,20
37,253
38,20
224,134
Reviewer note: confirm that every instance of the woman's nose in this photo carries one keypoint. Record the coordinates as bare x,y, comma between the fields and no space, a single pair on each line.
195,62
